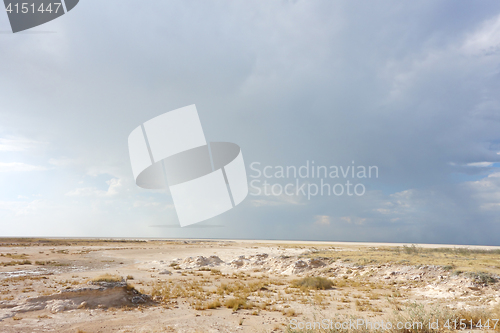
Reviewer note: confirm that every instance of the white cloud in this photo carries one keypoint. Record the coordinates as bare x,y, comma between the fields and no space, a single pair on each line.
353,220
19,208
85,192
95,171
485,40
332,87
410,206
12,143
147,204
481,164
152,204
322,220
486,191
115,185
19,167
61,162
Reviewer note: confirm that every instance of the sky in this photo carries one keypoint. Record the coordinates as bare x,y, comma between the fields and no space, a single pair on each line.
409,87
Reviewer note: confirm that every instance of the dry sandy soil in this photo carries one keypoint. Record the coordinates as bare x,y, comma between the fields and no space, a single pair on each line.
89,285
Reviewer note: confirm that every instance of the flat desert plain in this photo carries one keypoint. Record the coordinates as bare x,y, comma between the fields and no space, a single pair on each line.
123,285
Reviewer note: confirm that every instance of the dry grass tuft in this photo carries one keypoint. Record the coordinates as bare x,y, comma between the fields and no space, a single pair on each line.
107,278
318,283
213,304
14,263
237,303
475,317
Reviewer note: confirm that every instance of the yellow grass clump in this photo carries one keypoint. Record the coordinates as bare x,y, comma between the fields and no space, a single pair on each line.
107,278
237,303
318,283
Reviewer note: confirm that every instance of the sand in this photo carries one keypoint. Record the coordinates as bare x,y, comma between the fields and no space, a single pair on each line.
187,285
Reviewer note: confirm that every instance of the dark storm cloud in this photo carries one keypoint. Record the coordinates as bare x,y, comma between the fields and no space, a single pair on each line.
408,87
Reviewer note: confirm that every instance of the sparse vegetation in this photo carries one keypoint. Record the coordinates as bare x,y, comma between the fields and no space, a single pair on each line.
107,278
14,255
214,304
237,303
369,282
448,267
458,259
15,263
482,277
415,315
318,283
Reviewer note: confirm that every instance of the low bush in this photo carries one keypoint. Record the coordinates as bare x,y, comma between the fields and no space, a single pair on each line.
318,283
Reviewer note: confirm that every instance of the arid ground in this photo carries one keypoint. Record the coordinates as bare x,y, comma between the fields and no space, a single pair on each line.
90,285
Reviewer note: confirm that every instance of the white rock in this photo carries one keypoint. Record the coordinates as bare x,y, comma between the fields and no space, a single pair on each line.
56,306
238,262
165,272
315,263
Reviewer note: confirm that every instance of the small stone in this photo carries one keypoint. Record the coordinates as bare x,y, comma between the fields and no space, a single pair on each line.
138,300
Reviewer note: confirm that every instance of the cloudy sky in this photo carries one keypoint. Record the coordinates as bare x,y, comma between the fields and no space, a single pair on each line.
410,87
